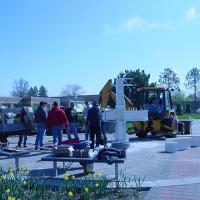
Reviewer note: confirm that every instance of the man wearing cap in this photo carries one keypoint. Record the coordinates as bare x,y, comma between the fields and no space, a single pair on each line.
56,120
94,121
40,119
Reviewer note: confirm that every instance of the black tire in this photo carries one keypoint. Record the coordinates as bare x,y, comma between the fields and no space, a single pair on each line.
141,134
153,133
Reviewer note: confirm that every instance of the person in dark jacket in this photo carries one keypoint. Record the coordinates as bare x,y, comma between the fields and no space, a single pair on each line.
56,120
94,121
72,118
22,136
40,119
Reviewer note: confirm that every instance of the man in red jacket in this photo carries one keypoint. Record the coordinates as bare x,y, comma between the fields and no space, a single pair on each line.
56,120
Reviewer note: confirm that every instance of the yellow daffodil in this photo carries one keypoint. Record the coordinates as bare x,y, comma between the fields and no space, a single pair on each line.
70,194
96,185
11,173
8,191
86,190
66,176
24,183
3,178
24,167
11,198
98,174
73,177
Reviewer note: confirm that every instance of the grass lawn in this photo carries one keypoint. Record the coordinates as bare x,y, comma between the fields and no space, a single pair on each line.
187,116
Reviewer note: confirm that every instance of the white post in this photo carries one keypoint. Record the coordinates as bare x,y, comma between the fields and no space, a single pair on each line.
121,135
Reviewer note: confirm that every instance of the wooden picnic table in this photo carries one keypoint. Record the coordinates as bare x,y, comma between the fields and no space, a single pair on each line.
55,159
16,154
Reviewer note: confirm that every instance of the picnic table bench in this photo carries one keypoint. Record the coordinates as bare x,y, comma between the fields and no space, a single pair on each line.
14,154
55,159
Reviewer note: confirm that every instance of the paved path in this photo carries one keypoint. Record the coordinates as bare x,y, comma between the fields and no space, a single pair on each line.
170,176
186,166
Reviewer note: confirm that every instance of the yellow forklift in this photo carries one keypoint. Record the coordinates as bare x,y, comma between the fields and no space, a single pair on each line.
162,118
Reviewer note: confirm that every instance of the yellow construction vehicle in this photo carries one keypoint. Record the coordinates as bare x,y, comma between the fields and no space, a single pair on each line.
162,118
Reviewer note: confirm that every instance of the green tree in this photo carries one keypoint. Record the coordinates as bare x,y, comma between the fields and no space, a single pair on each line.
42,92
20,88
192,82
178,96
179,110
169,79
138,79
188,109
33,92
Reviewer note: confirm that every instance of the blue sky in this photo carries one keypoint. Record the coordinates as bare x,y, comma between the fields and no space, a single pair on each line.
86,42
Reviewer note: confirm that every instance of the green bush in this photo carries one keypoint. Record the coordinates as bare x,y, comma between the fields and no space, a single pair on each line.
188,109
179,110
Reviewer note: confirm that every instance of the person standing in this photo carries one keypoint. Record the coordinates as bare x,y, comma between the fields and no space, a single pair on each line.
103,129
23,136
56,120
94,121
85,115
40,119
72,119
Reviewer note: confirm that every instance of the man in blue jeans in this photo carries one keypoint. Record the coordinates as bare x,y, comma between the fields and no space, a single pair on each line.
72,118
56,120
40,119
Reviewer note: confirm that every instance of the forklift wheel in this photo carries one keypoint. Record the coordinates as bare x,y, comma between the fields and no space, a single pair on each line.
141,134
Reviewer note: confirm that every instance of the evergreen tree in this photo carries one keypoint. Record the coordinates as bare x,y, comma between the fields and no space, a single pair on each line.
42,92
138,79
35,91
188,109
179,110
31,92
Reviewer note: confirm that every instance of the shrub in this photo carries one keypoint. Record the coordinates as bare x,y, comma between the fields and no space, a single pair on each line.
188,109
179,110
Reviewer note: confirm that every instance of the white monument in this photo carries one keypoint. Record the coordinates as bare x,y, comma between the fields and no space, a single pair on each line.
120,115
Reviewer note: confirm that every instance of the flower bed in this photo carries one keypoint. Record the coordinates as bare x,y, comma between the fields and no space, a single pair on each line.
18,185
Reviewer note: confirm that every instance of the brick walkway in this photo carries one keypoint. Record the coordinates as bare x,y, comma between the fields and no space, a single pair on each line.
181,192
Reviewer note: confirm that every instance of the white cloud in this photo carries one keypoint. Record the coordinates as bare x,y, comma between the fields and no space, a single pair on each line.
132,23
160,25
191,14
136,23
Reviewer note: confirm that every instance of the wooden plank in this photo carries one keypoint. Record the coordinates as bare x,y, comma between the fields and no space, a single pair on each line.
74,159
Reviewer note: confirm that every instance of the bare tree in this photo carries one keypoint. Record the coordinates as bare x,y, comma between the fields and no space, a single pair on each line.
72,90
20,88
